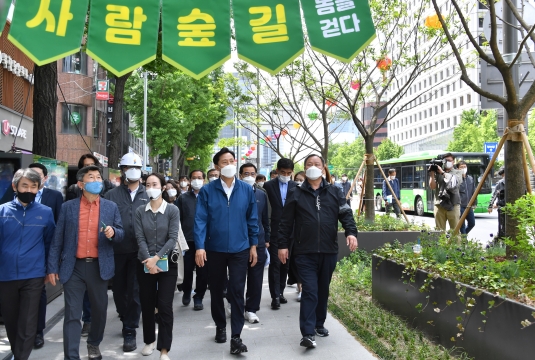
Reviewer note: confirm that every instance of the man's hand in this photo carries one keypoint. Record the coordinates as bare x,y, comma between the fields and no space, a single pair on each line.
200,257
490,210
351,242
253,256
440,171
283,255
109,232
51,278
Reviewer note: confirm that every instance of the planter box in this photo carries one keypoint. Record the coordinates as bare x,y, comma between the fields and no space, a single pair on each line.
501,338
371,240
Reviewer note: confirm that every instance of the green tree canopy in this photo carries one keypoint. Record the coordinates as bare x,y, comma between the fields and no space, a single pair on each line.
475,129
388,150
346,157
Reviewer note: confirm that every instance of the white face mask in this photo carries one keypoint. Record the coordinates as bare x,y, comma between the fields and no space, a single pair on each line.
344,178
260,184
249,180
183,184
172,192
284,179
299,183
229,171
196,184
449,164
314,173
133,174
464,170
392,177
213,178
153,193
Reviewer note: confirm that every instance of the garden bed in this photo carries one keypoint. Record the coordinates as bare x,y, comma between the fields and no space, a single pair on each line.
484,325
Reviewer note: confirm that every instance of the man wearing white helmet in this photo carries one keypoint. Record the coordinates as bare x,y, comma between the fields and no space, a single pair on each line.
128,196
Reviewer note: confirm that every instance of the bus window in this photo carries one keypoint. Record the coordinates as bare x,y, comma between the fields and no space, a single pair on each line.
477,173
419,176
407,177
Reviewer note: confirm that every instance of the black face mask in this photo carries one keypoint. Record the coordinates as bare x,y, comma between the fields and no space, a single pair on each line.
26,197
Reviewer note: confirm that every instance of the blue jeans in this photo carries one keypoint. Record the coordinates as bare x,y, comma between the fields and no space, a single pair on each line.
471,218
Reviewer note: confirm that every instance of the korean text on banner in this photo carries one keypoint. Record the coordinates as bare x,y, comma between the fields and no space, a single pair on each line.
123,34
339,28
48,30
269,33
196,35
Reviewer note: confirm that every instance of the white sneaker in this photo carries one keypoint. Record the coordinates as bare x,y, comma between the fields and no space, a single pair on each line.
164,357
251,317
299,296
227,310
148,349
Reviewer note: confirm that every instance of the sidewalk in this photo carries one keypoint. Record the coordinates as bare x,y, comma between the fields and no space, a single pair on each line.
276,337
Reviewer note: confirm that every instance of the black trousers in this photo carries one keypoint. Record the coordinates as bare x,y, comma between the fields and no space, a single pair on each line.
501,223
201,281
277,272
85,277
126,291
20,306
216,265
255,278
41,319
157,291
315,271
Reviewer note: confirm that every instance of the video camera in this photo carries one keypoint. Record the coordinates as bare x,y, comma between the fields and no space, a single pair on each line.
435,163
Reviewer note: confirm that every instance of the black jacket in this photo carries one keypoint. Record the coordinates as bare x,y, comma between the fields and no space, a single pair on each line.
466,190
127,208
53,199
262,203
316,219
186,204
275,200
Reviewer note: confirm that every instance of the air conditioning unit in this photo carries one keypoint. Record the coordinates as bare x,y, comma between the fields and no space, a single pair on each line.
10,64
4,60
15,68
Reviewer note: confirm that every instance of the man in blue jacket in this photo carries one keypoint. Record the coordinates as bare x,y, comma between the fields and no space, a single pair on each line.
26,231
226,236
387,194
255,274
81,258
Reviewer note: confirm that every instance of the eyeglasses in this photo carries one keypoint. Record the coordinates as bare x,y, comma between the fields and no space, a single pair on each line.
249,174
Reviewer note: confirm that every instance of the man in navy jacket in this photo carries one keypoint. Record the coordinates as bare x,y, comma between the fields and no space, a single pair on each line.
387,194
81,258
226,236
53,199
26,230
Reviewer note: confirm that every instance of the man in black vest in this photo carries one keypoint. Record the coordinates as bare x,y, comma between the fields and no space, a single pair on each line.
277,190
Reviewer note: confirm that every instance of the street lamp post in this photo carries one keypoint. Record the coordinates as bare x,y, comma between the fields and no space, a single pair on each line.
145,76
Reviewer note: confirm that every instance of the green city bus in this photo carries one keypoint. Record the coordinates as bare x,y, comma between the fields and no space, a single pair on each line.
415,193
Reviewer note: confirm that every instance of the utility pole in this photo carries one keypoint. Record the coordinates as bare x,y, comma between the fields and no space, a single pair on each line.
145,76
258,119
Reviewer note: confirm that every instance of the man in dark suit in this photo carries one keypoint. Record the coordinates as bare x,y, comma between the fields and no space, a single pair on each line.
277,189
53,199
81,258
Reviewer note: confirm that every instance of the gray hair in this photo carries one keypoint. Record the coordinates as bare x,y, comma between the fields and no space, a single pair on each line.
29,174
81,173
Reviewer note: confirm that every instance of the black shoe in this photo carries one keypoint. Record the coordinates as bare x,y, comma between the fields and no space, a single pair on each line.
186,299
308,341
197,304
129,343
283,300
86,329
275,303
38,342
321,331
94,352
220,335
236,346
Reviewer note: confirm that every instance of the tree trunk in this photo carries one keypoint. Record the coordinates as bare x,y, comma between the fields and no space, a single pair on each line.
369,199
174,162
117,147
45,101
515,186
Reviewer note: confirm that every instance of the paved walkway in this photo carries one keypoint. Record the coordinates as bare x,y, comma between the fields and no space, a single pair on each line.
276,337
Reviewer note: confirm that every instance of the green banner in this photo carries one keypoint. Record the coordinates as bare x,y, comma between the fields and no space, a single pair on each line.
339,28
48,30
196,35
269,33
123,34
4,10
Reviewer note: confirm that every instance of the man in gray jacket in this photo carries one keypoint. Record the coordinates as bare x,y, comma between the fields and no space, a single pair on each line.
128,196
466,190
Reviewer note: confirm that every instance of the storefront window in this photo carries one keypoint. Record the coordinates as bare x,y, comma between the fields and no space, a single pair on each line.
75,63
73,119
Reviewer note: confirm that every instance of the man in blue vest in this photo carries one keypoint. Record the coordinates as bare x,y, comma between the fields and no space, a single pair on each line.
226,236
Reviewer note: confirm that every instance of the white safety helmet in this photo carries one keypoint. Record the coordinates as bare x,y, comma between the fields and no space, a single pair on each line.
131,159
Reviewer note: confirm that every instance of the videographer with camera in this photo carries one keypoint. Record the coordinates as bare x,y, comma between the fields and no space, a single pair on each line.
498,197
446,181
